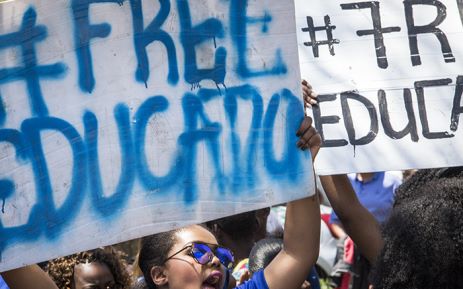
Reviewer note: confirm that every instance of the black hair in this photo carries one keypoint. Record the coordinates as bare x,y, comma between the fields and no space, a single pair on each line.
424,234
412,187
153,252
238,227
263,253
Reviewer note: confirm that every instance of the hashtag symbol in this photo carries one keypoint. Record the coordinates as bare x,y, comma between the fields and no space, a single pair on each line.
313,37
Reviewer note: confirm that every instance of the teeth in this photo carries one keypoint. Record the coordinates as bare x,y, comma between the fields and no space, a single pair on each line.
212,280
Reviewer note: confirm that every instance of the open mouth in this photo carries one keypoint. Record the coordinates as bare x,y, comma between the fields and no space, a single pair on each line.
213,281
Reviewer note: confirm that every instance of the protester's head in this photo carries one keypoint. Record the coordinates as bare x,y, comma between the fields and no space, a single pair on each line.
184,258
413,186
102,268
248,225
263,253
240,232
424,235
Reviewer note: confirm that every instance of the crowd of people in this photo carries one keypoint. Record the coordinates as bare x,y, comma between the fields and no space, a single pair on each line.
410,234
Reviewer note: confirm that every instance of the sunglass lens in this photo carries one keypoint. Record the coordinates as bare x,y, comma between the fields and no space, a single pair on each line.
202,253
225,256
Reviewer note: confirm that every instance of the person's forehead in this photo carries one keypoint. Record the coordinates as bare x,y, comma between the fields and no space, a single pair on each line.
94,272
195,233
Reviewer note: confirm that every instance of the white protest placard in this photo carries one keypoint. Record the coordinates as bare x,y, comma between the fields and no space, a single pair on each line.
389,75
120,119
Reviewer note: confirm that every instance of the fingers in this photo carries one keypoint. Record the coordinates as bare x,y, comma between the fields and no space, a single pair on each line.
305,285
314,144
305,139
308,94
305,83
309,138
312,140
311,99
245,277
305,125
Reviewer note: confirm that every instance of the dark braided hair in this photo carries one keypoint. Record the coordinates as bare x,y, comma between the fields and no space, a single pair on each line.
424,234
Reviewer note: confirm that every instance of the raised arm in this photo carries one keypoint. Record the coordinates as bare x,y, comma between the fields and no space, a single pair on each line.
29,277
302,230
357,221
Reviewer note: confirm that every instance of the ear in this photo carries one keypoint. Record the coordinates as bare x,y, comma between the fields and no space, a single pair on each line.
159,276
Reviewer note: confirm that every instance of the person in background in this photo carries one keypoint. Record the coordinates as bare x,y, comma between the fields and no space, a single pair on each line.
423,239
420,245
265,250
375,192
102,268
240,232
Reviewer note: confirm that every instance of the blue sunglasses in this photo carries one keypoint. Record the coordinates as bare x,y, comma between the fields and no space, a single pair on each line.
203,253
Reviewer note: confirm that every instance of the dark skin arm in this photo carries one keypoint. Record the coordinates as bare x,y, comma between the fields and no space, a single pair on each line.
337,231
29,277
302,229
356,220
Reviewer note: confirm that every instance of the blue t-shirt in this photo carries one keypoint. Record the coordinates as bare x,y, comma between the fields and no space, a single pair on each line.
256,282
376,195
3,284
313,279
